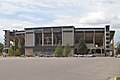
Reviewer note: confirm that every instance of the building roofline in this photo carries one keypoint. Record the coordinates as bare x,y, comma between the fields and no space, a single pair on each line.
90,28
6,30
112,31
49,27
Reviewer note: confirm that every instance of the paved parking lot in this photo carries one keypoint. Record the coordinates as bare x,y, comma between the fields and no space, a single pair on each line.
59,68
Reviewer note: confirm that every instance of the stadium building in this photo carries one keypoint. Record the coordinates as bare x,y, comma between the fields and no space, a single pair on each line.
45,39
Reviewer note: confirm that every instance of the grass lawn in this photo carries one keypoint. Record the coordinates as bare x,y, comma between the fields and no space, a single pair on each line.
118,78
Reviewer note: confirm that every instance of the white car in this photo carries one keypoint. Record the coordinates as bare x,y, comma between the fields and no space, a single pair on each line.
78,55
89,55
117,56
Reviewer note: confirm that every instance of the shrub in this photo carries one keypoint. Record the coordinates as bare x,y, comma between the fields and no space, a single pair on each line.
118,78
118,49
37,53
1,47
82,48
67,50
59,50
10,52
0,53
17,52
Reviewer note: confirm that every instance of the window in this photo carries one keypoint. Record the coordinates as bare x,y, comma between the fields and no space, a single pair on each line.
47,38
107,46
107,42
107,38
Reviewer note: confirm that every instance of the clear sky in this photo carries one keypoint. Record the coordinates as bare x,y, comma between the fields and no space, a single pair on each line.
19,14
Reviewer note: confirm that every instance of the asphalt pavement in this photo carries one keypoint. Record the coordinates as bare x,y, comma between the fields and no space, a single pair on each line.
59,68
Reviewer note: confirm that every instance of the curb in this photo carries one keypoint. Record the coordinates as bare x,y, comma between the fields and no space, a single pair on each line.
113,78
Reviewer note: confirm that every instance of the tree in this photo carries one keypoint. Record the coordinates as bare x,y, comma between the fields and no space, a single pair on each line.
82,48
17,52
118,49
10,52
1,48
67,50
59,50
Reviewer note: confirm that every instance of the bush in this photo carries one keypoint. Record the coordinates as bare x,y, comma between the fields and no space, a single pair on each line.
67,50
59,50
82,47
118,49
37,53
10,52
1,47
17,52
118,78
0,53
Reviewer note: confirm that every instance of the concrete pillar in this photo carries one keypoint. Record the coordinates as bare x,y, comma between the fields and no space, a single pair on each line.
42,39
52,38
94,38
101,52
113,52
73,41
33,38
104,43
19,43
62,37
84,35
104,40
52,35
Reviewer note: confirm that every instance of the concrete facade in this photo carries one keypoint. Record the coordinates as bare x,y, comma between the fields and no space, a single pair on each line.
45,39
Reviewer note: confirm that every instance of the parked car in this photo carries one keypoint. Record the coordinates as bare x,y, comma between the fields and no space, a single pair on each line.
30,55
46,55
89,55
22,55
41,55
117,56
50,55
5,52
78,55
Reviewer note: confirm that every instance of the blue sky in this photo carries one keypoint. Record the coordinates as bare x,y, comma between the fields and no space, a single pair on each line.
19,14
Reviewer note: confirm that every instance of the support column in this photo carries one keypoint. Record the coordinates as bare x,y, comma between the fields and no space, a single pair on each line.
62,37
73,41
104,40
113,53
52,38
94,38
42,39
101,52
34,38
84,35
19,45
14,44
38,39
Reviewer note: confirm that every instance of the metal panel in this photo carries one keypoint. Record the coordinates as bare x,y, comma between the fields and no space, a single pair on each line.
30,38
68,38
